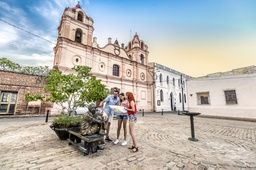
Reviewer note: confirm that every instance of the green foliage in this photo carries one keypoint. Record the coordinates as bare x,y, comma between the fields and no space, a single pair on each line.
35,97
95,91
8,65
75,89
66,121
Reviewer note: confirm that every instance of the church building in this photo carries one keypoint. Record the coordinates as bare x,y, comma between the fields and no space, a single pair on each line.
118,66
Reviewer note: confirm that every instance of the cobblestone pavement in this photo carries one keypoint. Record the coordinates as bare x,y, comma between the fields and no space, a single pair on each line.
162,140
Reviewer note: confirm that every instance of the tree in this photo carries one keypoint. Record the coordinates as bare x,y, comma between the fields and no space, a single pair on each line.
8,65
74,89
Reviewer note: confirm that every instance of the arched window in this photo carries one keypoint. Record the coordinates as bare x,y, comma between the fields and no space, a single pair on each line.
180,97
78,36
173,81
141,59
185,100
130,57
115,70
161,95
167,79
130,45
160,78
80,16
142,45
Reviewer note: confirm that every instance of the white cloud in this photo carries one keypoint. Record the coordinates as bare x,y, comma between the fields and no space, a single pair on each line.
37,59
24,48
13,15
8,34
34,59
27,49
5,6
53,10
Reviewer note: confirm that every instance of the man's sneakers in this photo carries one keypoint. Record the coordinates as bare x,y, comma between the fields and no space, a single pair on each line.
108,139
124,143
116,142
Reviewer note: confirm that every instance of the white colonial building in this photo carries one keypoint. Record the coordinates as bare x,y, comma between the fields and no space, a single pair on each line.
228,94
169,88
124,67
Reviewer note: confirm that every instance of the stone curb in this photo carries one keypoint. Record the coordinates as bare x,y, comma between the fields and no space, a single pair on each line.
145,113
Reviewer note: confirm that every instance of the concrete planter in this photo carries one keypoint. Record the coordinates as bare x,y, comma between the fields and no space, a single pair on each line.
62,133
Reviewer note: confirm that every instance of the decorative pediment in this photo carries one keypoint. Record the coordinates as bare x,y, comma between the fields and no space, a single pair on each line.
115,50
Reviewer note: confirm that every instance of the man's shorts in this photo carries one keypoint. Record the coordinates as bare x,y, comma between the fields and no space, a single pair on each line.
110,116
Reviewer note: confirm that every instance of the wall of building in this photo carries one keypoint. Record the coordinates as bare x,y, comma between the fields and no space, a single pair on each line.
216,86
132,73
22,84
171,91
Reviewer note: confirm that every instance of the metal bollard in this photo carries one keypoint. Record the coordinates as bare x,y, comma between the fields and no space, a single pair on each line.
162,112
47,114
191,115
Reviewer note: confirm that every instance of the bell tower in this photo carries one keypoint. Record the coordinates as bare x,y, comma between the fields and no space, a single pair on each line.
75,34
137,50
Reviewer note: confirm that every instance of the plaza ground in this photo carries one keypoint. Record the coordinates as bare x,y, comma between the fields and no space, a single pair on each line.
29,143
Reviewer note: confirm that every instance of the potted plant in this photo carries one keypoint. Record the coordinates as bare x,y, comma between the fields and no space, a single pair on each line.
63,123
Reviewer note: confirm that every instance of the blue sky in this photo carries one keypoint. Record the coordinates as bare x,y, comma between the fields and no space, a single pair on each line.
196,37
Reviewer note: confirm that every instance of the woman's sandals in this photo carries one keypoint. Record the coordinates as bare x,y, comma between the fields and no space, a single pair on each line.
133,149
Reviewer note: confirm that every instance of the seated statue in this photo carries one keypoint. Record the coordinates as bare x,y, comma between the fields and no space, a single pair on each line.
93,122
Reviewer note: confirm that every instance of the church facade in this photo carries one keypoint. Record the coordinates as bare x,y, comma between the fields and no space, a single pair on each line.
118,66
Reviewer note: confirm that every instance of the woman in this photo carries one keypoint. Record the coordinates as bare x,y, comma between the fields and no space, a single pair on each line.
122,119
131,110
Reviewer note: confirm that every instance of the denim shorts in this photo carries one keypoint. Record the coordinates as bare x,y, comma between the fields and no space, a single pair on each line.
122,117
132,118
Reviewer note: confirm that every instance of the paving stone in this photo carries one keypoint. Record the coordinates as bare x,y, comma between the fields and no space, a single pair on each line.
180,165
211,168
202,167
163,143
185,161
190,166
171,164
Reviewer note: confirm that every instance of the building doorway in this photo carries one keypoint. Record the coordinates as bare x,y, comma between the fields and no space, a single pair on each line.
171,100
7,102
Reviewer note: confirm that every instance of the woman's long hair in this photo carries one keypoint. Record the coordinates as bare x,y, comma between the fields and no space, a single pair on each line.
130,96
122,94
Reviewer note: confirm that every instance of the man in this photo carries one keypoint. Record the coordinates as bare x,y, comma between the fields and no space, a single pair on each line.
110,100
92,122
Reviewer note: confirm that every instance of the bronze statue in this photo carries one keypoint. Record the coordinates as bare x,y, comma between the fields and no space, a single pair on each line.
93,122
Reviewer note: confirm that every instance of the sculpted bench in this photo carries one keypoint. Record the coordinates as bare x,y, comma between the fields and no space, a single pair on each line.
86,144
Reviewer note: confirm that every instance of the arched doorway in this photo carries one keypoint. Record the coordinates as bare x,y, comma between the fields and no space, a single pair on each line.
171,100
